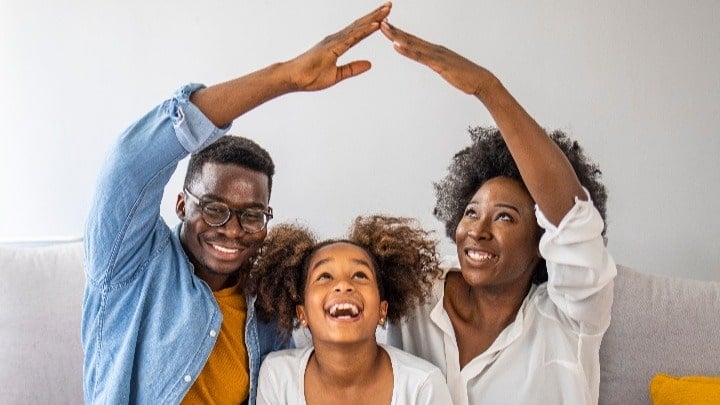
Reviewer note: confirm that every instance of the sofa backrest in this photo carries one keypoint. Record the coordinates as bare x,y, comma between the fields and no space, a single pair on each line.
41,290
659,324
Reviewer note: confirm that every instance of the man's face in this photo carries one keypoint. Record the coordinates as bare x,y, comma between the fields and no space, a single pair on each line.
218,252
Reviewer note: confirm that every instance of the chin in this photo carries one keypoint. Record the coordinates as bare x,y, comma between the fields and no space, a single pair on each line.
476,278
220,267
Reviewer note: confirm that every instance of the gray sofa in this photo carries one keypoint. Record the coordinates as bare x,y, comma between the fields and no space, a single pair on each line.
659,324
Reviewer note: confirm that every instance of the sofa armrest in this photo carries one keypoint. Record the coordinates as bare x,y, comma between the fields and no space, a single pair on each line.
41,290
659,324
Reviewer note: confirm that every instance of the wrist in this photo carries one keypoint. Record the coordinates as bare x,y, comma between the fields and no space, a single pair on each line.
488,87
282,73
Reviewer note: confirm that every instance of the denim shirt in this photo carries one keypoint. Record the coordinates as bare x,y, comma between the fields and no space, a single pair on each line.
148,323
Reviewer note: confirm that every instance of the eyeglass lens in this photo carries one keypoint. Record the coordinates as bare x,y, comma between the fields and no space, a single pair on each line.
217,214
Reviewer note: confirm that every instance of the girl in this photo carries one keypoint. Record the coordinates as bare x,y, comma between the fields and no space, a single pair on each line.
341,290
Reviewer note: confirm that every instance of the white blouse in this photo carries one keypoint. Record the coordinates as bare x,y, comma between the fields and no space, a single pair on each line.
415,381
550,353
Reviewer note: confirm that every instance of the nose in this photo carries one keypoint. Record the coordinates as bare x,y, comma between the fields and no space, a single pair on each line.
480,229
343,286
232,227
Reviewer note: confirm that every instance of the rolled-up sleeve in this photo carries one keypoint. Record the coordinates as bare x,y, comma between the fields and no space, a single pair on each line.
193,129
580,269
125,211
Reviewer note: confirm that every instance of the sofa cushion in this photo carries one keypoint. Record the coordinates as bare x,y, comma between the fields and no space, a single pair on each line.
696,390
659,324
41,291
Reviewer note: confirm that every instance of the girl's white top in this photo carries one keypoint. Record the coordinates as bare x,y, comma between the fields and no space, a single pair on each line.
415,381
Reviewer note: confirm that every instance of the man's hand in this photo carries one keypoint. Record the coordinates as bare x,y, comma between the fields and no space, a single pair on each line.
317,68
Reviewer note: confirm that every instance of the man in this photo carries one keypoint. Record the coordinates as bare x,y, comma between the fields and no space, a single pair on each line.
165,316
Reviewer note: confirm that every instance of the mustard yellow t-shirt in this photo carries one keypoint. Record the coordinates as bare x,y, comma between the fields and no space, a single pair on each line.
225,378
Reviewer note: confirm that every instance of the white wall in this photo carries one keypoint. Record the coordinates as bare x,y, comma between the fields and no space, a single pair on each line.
638,83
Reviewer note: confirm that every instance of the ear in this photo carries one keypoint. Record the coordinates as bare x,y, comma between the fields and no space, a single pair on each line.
300,311
180,206
383,313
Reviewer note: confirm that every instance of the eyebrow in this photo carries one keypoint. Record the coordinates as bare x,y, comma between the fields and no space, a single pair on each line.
327,260
508,206
217,198
500,205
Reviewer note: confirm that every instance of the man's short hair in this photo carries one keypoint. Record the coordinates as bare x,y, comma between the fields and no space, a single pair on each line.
231,149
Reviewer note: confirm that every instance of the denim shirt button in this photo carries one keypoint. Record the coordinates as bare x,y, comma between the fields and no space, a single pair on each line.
213,333
187,378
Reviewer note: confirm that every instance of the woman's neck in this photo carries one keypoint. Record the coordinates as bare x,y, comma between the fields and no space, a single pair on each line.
479,315
494,307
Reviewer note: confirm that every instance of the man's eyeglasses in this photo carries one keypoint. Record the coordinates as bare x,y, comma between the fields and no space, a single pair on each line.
216,213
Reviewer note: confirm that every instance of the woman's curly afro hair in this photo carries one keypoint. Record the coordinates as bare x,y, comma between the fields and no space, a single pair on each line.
487,157
405,258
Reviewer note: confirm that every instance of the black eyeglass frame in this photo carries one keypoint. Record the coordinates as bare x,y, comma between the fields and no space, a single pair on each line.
267,214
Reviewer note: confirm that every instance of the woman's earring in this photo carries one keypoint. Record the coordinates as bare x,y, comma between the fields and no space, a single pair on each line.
382,321
303,323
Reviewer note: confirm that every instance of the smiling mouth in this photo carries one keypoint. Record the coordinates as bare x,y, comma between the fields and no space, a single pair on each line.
225,250
344,310
479,256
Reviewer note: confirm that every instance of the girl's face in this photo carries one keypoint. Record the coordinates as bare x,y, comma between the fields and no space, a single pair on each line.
497,237
342,302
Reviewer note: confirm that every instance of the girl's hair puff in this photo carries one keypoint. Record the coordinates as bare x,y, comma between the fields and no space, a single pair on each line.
404,255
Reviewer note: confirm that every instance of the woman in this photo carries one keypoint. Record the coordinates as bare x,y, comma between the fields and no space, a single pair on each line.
341,290
519,205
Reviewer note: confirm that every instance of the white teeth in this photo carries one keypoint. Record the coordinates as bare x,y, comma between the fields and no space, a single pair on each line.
344,309
477,255
224,249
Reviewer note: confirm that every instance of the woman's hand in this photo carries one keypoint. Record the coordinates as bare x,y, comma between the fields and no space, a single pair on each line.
317,68
545,170
457,70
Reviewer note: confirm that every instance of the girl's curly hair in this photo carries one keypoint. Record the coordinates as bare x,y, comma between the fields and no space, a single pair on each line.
487,157
405,258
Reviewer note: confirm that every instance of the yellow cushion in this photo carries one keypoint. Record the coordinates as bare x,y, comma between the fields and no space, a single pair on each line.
698,390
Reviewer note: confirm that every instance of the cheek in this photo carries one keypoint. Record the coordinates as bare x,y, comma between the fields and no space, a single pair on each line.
313,304
195,224
257,238
529,246
372,298
189,233
534,236
460,232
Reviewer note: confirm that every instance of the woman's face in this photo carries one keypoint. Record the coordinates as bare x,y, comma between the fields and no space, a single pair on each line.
342,302
497,237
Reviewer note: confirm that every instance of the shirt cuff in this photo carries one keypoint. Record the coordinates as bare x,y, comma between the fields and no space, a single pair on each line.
193,129
581,223
574,250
